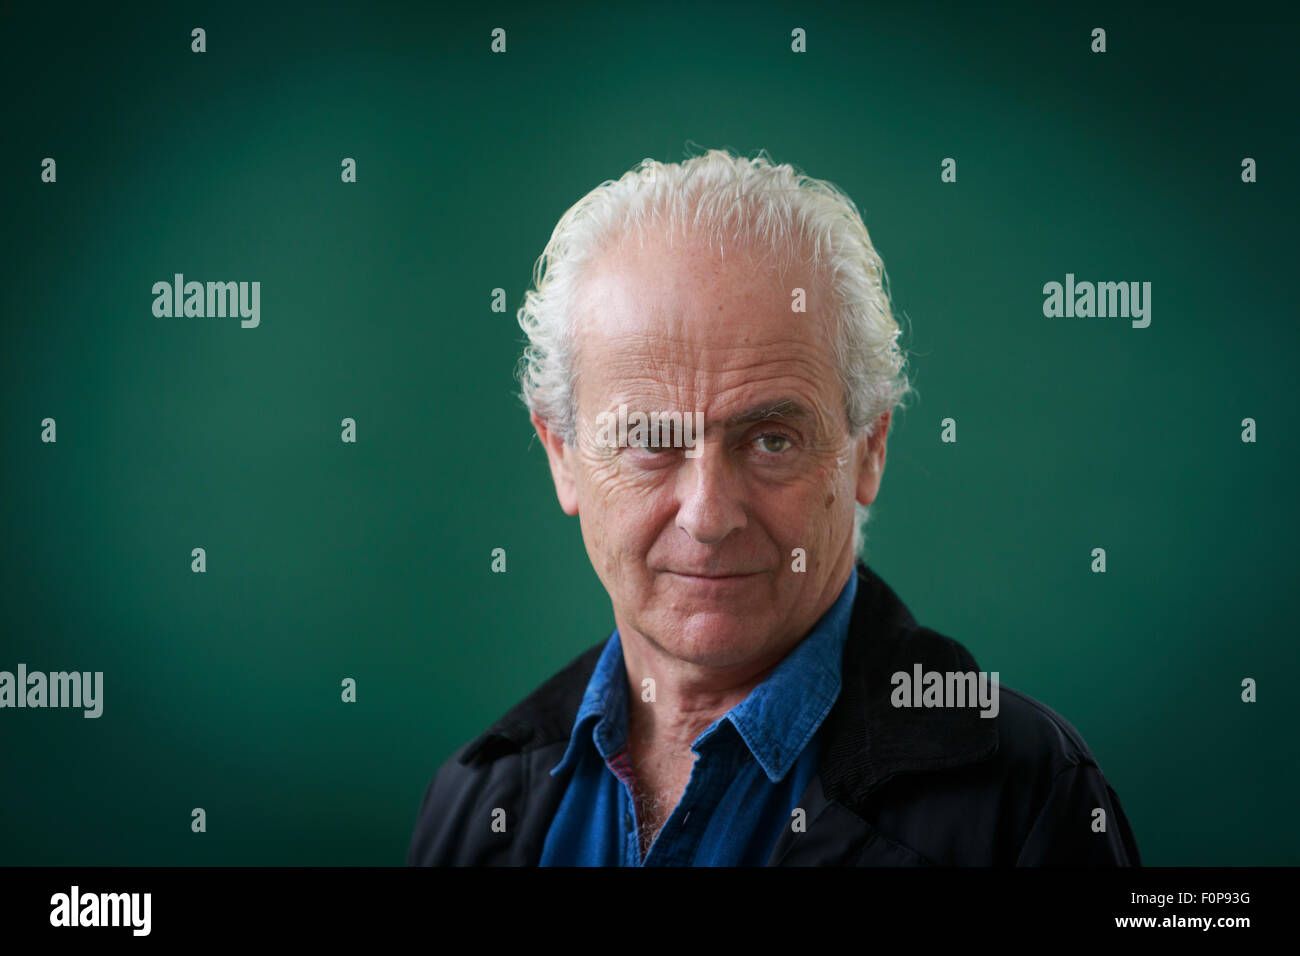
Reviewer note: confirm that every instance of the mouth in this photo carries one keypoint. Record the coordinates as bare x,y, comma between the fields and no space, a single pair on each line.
693,576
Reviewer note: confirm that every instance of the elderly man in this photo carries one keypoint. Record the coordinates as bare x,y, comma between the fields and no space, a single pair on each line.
764,698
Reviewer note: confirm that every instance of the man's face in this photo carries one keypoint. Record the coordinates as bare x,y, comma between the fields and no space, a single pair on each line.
698,553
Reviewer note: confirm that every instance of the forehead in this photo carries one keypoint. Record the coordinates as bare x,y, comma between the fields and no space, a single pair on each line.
709,320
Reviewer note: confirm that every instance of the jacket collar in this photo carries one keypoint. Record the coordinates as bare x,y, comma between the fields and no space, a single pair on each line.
868,740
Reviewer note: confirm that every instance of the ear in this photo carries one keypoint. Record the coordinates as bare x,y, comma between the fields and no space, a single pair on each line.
561,460
871,460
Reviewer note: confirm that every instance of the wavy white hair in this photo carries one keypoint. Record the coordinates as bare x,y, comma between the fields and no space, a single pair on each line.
724,198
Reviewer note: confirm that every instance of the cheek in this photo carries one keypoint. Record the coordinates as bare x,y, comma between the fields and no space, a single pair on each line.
806,517
622,516
837,495
840,500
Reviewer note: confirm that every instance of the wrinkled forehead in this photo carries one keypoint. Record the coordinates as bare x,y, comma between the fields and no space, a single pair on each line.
701,319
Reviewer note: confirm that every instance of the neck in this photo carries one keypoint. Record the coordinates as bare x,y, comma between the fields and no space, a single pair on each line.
687,697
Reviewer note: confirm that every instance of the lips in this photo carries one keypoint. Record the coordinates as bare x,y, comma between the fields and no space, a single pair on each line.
713,575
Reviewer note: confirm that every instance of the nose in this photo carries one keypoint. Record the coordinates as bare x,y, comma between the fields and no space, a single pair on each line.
711,502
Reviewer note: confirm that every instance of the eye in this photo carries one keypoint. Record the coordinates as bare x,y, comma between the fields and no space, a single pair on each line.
653,449
646,446
772,443
650,457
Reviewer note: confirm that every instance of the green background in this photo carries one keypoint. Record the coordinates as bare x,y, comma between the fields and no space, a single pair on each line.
372,560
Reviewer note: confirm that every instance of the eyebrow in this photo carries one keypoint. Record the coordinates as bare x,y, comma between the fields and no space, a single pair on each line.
781,408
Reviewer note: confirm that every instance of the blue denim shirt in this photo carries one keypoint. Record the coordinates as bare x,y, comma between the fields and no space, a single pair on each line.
752,764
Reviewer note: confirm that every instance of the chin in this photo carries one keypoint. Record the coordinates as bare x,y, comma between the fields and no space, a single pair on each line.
709,638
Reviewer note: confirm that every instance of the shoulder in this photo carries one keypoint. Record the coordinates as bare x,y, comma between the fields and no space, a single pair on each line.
915,686
1038,798
1070,814
1032,735
1005,780
499,771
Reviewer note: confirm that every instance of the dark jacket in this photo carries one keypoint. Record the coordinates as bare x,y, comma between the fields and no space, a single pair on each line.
895,786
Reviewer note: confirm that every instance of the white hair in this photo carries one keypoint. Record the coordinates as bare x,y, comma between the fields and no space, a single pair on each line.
723,198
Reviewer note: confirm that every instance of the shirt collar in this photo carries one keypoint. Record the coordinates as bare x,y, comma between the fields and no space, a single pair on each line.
776,721
603,707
